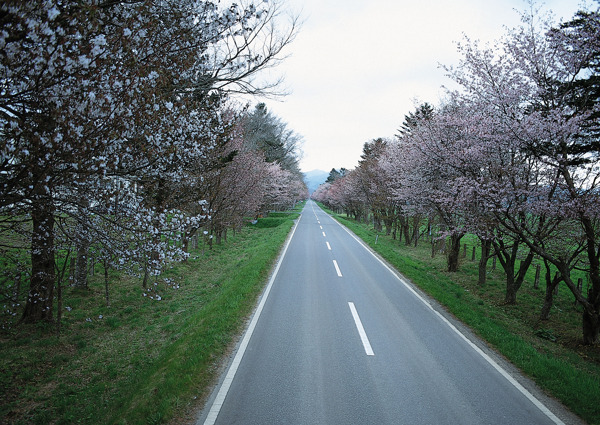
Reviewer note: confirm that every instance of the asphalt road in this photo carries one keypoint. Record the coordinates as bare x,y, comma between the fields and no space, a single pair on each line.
340,339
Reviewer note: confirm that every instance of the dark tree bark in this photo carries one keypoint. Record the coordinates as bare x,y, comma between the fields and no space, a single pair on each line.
406,231
82,244
377,223
38,306
106,292
454,251
416,229
551,285
508,259
389,224
81,268
591,313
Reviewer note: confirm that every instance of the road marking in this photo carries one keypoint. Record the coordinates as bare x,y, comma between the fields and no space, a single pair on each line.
220,398
361,330
328,246
323,233
337,269
321,227
478,350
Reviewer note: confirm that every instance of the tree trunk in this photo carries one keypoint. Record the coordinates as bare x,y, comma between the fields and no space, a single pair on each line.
146,275
59,303
536,280
106,293
81,267
510,296
38,306
591,328
551,284
82,243
416,225
388,226
508,258
400,228
406,231
518,280
454,252
512,287
184,242
591,319
377,223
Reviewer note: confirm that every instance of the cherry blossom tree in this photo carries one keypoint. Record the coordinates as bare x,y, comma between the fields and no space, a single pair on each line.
542,186
371,181
105,107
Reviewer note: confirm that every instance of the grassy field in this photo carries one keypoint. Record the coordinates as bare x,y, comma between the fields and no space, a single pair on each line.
140,361
550,352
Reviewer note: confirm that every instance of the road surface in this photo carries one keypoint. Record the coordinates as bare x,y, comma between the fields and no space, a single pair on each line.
341,339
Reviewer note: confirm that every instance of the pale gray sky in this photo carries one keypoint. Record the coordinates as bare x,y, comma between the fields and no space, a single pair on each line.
358,66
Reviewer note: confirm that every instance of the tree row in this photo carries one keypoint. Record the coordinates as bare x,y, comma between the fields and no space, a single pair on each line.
119,138
512,156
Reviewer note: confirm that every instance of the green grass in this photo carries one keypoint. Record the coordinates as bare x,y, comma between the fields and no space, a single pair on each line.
140,361
564,368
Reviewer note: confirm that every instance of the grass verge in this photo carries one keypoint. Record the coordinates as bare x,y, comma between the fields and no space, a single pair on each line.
550,352
140,361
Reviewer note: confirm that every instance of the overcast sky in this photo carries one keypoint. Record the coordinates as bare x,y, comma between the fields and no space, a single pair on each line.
358,66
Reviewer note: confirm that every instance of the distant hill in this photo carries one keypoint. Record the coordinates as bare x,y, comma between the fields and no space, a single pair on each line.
314,178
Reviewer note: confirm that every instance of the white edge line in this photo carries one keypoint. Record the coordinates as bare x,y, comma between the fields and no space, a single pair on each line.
478,350
220,398
337,268
361,330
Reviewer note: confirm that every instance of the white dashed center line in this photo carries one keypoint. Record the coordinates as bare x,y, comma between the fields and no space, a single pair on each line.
361,330
337,269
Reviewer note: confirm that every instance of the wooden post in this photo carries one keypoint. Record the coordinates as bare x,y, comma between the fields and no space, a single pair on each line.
536,282
473,254
464,251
